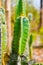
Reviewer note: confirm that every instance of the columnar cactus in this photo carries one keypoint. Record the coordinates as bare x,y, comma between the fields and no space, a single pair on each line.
21,30
3,30
20,36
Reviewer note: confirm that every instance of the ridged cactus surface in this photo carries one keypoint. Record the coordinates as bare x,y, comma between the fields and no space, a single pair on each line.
20,36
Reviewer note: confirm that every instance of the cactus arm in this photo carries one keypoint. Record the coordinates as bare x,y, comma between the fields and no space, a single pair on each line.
15,42
19,8
24,35
20,35
3,29
30,44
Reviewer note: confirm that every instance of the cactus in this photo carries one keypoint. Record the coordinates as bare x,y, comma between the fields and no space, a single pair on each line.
21,30
3,34
30,44
3,30
20,36
20,8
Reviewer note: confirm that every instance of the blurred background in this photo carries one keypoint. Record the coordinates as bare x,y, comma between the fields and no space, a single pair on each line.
35,9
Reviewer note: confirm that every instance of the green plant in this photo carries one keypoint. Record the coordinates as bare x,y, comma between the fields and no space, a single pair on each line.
20,35
30,44
21,30
3,29
3,34
20,8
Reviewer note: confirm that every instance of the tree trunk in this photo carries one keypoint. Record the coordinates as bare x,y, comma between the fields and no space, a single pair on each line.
41,13
8,22
41,16
0,3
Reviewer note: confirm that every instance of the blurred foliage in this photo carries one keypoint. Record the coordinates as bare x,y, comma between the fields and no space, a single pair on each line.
36,18
34,24
29,9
